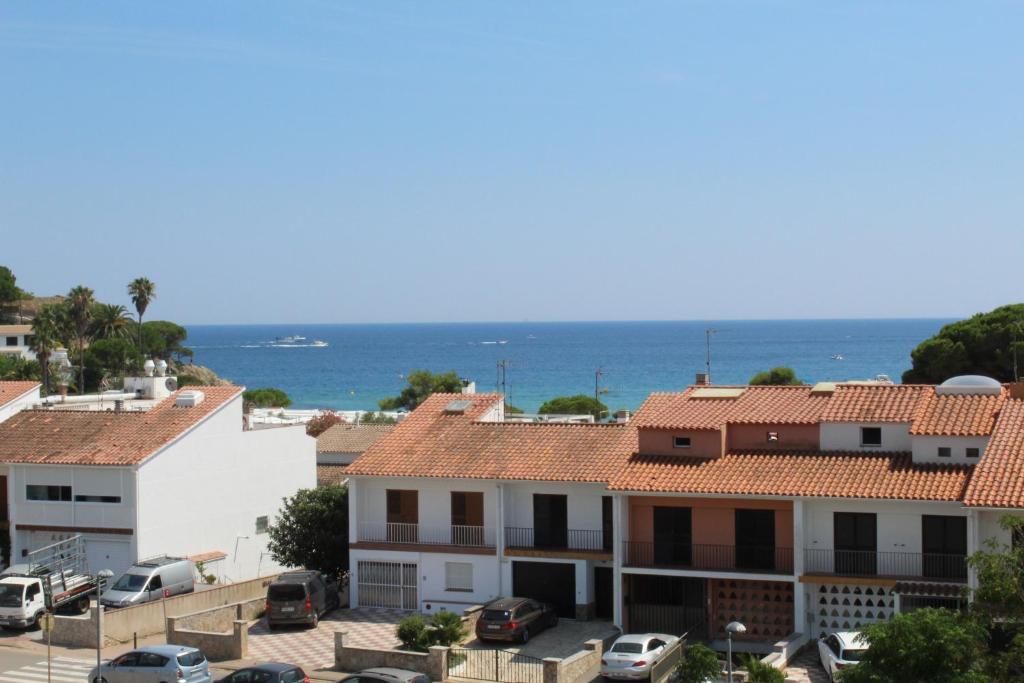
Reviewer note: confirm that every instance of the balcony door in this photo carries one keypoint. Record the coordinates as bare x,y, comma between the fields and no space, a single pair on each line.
944,544
607,526
673,535
550,521
467,518
755,539
403,516
856,543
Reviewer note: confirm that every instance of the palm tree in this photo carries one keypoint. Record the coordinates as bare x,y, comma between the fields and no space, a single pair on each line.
46,338
142,291
80,302
109,321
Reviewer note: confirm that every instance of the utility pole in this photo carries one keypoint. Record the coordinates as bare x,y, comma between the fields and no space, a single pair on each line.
1016,372
597,384
502,384
707,341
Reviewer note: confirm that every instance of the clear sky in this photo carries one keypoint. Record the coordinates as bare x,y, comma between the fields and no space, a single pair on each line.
367,161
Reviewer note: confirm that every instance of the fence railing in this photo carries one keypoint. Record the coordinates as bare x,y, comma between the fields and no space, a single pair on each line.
675,620
418,534
871,563
556,539
761,559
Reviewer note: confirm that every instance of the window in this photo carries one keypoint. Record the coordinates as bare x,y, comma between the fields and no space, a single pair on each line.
773,437
31,592
194,658
458,576
972,452
12,341
681,442
51,493
262,523
152,660
945,452
155,583
97,499
870,436
130,659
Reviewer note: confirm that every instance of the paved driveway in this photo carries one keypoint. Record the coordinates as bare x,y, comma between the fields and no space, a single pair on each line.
806,668
314,649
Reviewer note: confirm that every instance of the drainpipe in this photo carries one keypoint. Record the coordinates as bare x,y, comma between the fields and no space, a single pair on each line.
618,547
973,546
499,537
799,595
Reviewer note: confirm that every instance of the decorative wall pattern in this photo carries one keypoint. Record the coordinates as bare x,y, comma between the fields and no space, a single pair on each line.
764,607
840,607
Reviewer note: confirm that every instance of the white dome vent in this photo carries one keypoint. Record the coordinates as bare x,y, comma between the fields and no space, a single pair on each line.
969,384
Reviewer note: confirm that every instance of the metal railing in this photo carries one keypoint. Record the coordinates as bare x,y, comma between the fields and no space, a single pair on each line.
418,534
676,555
872,563
556,539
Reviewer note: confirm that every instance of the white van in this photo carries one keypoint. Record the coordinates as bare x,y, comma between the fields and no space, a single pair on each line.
152,579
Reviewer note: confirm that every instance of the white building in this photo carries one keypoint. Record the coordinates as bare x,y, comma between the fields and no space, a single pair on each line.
14,339
181,478
17,396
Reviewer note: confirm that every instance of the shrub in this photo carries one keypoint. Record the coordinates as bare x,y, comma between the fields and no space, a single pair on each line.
321,423
448,628
759,672
412,633
699,664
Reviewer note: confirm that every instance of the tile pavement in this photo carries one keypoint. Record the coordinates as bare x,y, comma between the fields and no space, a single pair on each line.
806,668
314,649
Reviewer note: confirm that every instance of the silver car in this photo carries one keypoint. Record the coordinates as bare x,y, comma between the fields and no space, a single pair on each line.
632,656
156,664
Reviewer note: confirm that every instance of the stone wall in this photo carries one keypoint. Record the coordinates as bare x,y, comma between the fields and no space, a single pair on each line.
78,631
221,632
433,663
579,666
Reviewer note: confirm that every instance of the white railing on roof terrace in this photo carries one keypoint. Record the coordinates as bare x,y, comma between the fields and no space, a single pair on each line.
418,534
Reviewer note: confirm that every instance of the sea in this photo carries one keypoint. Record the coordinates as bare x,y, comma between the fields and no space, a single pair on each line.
622,361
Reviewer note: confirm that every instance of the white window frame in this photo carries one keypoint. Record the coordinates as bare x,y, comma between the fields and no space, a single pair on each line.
458,577
675,441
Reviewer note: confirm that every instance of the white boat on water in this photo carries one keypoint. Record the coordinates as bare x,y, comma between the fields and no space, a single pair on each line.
294,339
837,356
319,343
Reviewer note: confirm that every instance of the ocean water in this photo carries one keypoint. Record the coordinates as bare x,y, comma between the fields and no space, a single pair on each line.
364,363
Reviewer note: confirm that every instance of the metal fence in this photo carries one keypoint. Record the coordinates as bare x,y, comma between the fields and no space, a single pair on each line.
766,559
675,620
505,666
871,563
558,539
418,534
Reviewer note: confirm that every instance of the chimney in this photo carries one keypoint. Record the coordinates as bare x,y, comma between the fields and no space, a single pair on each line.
702,379
1016,389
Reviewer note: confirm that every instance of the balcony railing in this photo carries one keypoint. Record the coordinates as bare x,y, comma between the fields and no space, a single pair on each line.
556,539
889,564
760,559
418,534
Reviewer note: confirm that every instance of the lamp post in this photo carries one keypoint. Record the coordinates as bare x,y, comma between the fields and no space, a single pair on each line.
731,628
100,576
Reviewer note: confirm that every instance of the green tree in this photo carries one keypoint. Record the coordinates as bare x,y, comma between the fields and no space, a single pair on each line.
14,367
110,321
759,672
311,530
580,404
322,422
999,600
267,397
142,291
412,633
372,418
778,376
512,410
448,628
10,293
699,665
109,358
46,338
421,384
934,645
983,344
164,339
80,302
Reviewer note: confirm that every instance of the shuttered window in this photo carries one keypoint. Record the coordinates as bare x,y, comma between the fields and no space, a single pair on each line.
458,576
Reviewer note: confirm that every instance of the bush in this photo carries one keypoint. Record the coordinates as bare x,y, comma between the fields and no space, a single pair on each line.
448,628
412,633
321,423
700,664
759,672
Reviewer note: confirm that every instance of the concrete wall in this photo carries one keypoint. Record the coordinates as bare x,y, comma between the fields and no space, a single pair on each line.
704,443
577,667
20,403
77,631
583,503
435,510
845,436
433,663
755,437
217,647
926,449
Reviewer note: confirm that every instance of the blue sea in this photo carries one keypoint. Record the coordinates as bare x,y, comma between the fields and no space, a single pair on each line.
364,363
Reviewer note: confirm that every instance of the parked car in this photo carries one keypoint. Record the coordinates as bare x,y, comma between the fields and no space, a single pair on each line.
155,664
632,656
387,675
839,650
268,672
301,597
514,619
146,580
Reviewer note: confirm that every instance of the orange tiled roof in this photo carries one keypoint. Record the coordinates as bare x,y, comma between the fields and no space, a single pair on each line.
433,443
998,479
957,414
15,389
102,437
874,403
330,475
350,438
833,475
756,405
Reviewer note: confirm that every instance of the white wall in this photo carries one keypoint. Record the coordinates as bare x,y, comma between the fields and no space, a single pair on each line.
989,527
926,448
898,522
204,492
434,499
845,436
583,503
20,403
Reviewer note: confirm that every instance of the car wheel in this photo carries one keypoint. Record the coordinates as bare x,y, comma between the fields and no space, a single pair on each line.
524,637
99,680
315,622
554,619
37,621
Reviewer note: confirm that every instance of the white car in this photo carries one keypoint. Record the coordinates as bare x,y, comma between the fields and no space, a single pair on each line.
631,657
840,650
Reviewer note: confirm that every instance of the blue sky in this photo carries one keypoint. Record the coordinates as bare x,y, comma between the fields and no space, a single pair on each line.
427,161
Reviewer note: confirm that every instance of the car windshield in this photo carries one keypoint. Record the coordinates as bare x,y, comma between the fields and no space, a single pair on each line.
286,591
631,648
10,594
131,582
293,676
852,655
191,658
496,615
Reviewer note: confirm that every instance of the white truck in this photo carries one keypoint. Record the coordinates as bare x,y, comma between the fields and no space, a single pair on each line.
56,576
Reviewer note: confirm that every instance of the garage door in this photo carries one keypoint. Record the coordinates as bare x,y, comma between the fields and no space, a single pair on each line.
104,554
550,582
391,585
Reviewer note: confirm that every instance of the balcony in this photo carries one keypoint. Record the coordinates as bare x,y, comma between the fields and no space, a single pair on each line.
560,541
704,557
457,536
867,563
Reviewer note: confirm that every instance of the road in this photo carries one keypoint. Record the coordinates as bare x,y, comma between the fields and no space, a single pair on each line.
20,666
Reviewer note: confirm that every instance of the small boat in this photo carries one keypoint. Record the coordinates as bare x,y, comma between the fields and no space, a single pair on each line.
319,343
837,356
294,339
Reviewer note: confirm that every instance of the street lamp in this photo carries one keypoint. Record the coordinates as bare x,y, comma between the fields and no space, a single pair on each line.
100,576
731,628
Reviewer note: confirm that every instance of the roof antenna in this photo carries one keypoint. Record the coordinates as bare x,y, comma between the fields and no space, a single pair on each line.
707,341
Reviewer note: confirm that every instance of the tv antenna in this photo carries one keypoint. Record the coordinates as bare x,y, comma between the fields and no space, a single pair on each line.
707,358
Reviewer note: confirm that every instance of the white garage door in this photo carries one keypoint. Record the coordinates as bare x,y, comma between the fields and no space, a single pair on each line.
106,554
387,584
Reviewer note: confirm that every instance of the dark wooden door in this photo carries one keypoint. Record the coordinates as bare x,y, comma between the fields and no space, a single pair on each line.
550,521
467,518
550,582
403,516
603,592
755,539
856,543
607,531
673,535
944,546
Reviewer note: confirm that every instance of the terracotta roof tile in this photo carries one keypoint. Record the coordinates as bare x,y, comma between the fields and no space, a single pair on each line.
998,479
755,405
330,474
874,403
350,438
957,414
15,389
102,437
433,443
833,475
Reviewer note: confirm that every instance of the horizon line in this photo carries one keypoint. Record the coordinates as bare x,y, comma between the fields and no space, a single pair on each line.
557,322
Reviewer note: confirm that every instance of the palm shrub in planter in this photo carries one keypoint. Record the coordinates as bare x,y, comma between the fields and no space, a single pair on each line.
447,628
699,664
759,672
413,634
